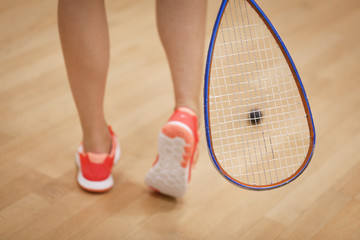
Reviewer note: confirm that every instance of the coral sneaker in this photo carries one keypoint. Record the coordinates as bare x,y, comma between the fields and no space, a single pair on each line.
95,169
177,145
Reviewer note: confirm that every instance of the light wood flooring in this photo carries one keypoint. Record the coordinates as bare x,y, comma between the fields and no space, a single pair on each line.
39,133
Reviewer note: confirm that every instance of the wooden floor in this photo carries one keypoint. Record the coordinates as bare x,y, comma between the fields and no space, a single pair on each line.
39,133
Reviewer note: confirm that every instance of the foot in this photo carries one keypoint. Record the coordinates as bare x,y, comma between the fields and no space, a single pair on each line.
95,169
177,145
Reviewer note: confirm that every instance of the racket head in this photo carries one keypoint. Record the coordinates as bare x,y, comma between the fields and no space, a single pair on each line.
278,149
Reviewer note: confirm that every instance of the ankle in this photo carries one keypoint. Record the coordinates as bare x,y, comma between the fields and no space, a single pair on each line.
97,142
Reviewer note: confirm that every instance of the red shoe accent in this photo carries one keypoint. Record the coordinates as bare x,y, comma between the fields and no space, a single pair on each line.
93,171
156,160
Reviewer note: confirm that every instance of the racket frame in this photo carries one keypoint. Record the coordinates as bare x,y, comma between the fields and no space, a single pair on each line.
300,87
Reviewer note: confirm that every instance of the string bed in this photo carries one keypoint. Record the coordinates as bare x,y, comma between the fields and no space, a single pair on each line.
249,72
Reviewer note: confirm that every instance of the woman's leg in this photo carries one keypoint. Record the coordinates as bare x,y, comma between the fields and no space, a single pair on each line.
181,26
85,42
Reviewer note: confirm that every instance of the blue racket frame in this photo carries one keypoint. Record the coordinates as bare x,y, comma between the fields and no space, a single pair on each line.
296,76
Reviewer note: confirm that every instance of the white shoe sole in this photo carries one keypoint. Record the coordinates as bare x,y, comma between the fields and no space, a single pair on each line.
168,176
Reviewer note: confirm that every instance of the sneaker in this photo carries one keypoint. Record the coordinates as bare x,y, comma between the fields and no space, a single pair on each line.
177,145
95,169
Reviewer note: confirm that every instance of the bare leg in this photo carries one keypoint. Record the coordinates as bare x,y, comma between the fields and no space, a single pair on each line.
85,42
181,25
